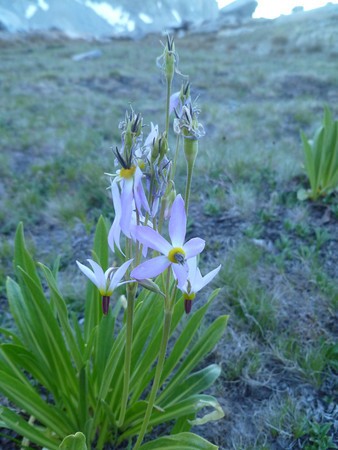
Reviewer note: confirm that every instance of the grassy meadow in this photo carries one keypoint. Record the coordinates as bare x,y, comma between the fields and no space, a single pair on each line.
257,87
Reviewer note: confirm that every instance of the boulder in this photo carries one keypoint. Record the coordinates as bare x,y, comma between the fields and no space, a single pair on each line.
239,10
9,21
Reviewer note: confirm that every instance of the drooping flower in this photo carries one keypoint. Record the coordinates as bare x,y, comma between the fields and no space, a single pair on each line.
132,195
195,282
180,98
174,254
106,281
114,234
186,123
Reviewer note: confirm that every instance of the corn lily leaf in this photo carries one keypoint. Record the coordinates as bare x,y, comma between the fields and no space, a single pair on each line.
16,423
181,441
75,441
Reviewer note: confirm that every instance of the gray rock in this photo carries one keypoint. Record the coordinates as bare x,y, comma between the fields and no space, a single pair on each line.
9,21
92,54
240,10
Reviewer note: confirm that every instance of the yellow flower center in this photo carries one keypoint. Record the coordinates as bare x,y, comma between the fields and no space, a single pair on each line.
141,164
189,296
127,173
176,255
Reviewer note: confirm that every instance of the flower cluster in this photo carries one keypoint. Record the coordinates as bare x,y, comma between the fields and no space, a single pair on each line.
144,197
135,219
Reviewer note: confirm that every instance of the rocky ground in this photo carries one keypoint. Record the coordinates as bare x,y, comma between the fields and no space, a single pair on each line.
258,86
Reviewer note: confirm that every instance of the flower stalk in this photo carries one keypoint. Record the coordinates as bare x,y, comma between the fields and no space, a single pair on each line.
190,152
160,364
131,292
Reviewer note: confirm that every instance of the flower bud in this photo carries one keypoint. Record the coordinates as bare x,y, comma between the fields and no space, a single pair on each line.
151,286
185,92
168,199
160,148
169,58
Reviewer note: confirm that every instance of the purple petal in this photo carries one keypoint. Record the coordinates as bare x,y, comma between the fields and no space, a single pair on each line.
126,206
152,135
193,247
139,195
114,236
115,191
177,222
151,238
150,268
174,101
181,274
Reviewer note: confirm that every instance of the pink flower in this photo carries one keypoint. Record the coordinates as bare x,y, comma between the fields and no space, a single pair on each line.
195,282
174,254
106,281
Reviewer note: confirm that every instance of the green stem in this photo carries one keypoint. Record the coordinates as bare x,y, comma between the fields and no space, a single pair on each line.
190,151
169,82
188,188
127,359
159,368
175,157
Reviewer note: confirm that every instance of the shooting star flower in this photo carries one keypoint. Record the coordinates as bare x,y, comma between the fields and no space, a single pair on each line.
195,282
174,254
106,281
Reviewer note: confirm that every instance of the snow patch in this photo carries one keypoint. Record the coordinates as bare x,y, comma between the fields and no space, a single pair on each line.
30,11
43,5
176,15
114,16
145,18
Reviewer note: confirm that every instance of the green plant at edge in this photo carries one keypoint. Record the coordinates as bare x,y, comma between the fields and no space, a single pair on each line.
321,159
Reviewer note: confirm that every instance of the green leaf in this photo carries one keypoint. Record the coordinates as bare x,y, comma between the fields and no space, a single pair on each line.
303,194
22,257
50,346
194,384
93,309
186,337
16,423
14,358
188,406
75,441
181,441
201,348
30,401
217,414
62,312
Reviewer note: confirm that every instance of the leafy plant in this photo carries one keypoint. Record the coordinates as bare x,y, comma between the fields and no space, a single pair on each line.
110,379
321,159
66,377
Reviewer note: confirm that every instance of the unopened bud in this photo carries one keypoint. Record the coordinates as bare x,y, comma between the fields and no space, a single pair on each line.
168,201
160,148
185,92
151,286
169,58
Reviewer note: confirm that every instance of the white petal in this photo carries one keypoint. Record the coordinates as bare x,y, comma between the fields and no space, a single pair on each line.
119,274
203,281
88,273
99,274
